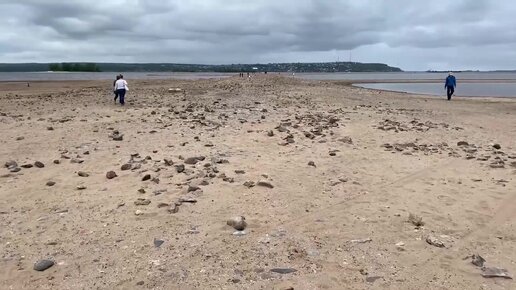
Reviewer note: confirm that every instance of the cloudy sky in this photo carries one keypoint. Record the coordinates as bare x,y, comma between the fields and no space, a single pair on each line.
411,34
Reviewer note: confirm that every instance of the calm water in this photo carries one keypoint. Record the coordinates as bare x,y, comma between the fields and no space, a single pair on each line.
62,76
437,89
505,85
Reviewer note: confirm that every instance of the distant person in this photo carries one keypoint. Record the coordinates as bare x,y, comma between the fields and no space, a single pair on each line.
450,85
121,88
114,90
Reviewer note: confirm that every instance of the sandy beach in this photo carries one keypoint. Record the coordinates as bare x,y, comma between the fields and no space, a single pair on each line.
325,174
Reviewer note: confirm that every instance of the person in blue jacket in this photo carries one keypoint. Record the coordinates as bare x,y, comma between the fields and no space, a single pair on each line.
450,85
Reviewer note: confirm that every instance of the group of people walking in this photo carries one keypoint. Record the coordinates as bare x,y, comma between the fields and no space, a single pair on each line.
120,88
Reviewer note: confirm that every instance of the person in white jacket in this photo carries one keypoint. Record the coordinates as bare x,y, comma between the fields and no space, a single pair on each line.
121,88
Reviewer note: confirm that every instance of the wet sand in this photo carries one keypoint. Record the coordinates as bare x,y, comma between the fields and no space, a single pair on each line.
325,175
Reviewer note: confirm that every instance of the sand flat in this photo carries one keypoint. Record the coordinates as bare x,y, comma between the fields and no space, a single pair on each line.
341,224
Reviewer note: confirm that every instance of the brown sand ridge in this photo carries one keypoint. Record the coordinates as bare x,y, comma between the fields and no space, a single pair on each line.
325,175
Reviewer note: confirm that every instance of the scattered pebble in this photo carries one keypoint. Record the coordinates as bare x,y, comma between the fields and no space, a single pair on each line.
111,175
43,265
238,223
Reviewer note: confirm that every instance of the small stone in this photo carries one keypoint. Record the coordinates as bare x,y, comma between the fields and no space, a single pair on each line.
240,171
238,223
20,138
138,212
51,183
57,161
39,164
462,143
434,241
141,190
142,201
270,133
180,168
15,169
140,283
43,265
478,261
174,208
158,243
240,233
493,272
372,279
81,187
497,146
249,184
416,220
111,175
283,270
168,162
265,184
82,174
50,128
146,177
193,188
27,166
126,166
193,160
311,163
11,164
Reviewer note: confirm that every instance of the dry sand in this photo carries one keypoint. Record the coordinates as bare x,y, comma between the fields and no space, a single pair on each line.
341,224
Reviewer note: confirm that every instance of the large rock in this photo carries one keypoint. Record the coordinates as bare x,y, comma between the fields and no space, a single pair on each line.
238,223
43,265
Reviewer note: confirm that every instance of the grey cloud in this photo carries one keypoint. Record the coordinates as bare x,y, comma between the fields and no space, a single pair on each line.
412,34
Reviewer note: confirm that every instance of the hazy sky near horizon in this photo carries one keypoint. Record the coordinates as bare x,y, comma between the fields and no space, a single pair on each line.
411,34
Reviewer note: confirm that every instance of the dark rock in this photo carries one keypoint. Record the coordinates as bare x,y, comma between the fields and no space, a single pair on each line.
158,243
141,190
193,188
126,166
20,138
478,261
311,163
27,166
15,169
50,128
187,200
146,177
462,143
416,220
168,162
39,164
270,133
140,283
283,270
163,204
76,161
10,164
194,160
497,146
238,223
82,174
42,265
57,161
180,168
111,175
249,184
51,183
240,171
265,184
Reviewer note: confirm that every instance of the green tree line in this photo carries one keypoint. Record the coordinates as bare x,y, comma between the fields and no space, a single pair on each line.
68,66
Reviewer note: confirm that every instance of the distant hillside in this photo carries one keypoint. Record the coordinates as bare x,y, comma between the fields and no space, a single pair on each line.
171,67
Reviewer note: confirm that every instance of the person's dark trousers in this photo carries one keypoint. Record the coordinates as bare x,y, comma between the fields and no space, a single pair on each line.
121,94
450,91
116,96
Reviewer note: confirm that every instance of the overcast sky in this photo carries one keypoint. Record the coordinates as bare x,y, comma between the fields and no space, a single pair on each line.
411,34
